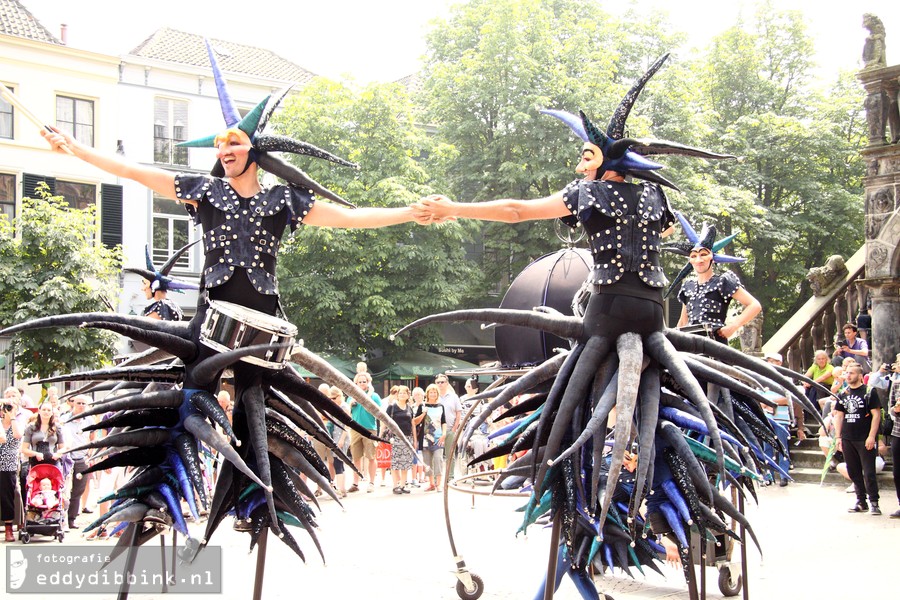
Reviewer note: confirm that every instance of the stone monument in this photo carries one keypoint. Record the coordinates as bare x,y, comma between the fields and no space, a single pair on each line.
882,191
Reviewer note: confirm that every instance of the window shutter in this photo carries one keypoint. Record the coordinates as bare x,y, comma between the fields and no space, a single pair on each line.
110,214
30,181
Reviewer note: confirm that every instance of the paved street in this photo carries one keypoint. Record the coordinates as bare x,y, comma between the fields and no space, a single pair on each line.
385,547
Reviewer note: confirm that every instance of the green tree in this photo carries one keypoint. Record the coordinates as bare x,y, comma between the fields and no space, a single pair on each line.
55,266
347,290
796,191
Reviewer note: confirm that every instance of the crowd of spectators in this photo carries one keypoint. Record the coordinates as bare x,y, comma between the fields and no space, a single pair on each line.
859,404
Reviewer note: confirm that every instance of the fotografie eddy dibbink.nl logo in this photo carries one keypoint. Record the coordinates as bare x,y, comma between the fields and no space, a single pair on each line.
46,570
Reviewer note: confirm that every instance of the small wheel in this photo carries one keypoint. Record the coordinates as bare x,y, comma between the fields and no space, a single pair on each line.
60,536
728,585
25,537
475,592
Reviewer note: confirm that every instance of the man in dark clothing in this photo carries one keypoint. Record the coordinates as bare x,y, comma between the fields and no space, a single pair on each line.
76,436
856,422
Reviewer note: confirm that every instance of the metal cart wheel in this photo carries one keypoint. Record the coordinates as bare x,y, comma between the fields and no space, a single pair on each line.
469,586
729,585
60,536
470,594
25,537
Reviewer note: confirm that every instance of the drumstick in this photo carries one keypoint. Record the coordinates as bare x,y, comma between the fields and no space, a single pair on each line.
7,95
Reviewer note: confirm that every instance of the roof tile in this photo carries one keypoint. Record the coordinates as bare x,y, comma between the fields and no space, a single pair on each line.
16,20
181,47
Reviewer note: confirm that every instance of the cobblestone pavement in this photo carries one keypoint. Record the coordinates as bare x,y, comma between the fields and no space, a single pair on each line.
381,546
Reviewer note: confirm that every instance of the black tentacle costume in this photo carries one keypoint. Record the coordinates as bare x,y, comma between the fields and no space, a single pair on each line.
156,430
623,357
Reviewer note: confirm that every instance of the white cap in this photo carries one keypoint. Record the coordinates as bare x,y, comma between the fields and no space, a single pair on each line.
773,356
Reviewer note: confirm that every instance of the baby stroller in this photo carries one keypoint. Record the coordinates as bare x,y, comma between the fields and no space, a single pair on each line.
39,519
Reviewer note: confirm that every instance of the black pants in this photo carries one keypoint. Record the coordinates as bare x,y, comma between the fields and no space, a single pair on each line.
895,456
8,495
861,469
611,315
24,469
78,487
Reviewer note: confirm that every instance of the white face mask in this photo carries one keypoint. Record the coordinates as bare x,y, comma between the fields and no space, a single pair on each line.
591,159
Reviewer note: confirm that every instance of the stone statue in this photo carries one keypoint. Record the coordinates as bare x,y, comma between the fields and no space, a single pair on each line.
751,336
881,103
873,51
822,279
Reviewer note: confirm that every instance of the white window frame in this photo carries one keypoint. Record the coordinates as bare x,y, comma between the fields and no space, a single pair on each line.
73,127
12,116
187,263
13,201
165,129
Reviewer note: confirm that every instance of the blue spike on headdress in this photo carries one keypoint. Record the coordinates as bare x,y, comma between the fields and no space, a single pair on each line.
688,229
229,111
631,161
706,239
573,121
150,265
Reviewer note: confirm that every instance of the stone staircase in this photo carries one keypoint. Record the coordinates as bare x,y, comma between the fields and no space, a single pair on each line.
808,461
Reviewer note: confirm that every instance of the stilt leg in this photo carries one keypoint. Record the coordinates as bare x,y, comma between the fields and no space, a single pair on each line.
260,564
130,558
554,554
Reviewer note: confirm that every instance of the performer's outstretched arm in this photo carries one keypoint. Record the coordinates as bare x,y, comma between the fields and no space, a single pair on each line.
440,208
160,181
326,214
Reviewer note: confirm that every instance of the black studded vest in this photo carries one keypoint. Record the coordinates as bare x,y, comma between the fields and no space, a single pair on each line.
165,308
623,222
708,302
241,236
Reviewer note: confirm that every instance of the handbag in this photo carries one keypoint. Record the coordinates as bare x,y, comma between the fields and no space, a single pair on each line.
887,427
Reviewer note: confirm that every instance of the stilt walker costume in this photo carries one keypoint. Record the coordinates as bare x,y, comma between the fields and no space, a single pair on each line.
268,458
621,357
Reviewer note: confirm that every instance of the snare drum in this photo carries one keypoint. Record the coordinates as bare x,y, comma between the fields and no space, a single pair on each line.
230,326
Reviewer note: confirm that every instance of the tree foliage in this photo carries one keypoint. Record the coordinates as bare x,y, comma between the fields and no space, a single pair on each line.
347,290
794,193
55,266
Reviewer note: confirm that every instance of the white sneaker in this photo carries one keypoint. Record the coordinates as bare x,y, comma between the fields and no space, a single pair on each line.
851,489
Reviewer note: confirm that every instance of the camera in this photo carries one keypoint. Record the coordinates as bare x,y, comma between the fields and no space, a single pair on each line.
840,343
8,407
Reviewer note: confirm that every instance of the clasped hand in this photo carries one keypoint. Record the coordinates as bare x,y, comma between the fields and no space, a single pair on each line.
433,209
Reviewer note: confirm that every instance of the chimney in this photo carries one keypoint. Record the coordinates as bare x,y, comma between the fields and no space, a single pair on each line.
64,34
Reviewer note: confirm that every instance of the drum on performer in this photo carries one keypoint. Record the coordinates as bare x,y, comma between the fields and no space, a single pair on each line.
230,326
